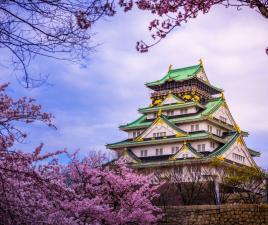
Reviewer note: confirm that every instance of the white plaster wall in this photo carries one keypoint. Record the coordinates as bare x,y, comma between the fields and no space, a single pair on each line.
131,133
239,149
176,112
222,111
170,100
181,154
207,143
167,149
203,126
150,116
202,76
159,128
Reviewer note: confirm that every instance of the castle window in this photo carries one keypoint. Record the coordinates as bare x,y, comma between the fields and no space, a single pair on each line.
212,144
223,119
174,149
185,156
209,128
155,115
218,132
203,147
183,111
144,153
238,157
199,147
134,134
159,151
170,113
161,134
194,127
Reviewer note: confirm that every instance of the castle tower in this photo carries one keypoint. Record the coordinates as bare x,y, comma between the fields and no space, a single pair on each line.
188,121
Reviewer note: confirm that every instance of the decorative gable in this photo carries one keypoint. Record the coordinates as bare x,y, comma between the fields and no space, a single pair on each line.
202,76
129,157
223,114
171,99
239,153
161,128
184,153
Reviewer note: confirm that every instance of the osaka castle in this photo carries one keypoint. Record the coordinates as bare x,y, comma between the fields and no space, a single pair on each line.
188,121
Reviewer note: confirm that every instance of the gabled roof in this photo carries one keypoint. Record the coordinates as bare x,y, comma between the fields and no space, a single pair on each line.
173,106
150,141
180,74
189,147
210,107
203,158
175,99
163,119
219,151
254,153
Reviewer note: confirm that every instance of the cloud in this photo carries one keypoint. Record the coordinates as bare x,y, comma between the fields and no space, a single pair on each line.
90,100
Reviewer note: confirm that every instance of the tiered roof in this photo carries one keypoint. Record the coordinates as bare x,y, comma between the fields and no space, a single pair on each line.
209,107
182,74
206,110
168,160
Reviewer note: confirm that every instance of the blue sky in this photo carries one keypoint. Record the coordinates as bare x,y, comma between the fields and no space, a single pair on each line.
89,101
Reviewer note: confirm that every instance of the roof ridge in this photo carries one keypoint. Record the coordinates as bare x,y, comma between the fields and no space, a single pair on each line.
172,124
225,146
183,68
192,149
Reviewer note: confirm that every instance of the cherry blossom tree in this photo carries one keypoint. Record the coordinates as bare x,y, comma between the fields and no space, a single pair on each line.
55,29
36,189
173,13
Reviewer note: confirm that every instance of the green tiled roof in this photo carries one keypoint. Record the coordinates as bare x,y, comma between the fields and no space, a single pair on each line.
254,153
208,158
224,148
178,75
166,107
190,137
193,150
210,107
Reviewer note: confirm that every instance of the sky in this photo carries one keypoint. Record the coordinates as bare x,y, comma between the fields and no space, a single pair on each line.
90,100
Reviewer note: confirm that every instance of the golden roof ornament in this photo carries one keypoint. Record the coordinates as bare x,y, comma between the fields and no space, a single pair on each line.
201,62
169,67
237,128
159,113
223,96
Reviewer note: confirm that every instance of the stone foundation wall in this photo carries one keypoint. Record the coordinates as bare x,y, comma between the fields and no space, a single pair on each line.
241,214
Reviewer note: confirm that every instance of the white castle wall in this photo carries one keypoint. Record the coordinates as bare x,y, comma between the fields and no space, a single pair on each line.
207,143
203,126
176,112
223,112
167,149
240,150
